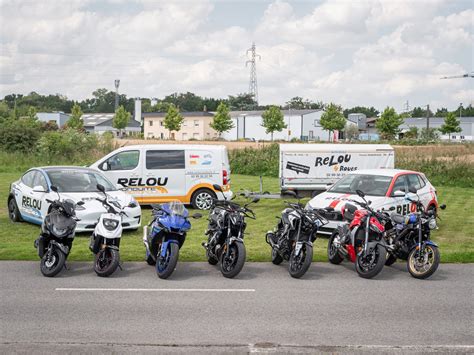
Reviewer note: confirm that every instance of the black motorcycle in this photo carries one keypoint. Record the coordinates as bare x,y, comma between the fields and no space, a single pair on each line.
225,231
294,235
409,239
57,234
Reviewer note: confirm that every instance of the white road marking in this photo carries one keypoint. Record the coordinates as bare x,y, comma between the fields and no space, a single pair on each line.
158,289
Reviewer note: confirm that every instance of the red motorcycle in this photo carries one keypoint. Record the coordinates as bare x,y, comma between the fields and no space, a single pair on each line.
360,238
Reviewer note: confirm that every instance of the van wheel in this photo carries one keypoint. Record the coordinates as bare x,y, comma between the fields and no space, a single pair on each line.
202,199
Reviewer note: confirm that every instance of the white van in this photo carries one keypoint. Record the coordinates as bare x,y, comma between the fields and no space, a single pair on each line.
310,168
167,172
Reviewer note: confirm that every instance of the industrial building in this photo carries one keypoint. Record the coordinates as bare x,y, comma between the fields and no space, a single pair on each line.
102,122
60,118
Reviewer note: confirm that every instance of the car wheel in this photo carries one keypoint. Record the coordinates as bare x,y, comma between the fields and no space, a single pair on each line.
13,211
202,199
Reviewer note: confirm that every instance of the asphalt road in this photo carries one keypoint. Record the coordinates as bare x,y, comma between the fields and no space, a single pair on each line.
264,310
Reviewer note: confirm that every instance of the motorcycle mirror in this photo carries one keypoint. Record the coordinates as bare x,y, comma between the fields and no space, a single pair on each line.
101,188
290,193
369,202
360,193
443,206
80,203
217,187
196,216
412,189
54,188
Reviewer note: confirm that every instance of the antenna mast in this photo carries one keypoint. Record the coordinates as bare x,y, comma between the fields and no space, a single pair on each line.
253,89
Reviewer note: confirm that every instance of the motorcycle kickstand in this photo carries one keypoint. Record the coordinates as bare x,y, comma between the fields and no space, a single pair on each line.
120,266
65,266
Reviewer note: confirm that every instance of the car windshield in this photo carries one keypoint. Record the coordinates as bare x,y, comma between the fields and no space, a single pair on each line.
372,185
71,180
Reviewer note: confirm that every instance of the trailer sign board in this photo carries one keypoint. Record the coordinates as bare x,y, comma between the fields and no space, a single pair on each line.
312,167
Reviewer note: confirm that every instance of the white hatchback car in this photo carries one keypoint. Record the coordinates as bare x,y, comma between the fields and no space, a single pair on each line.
380,186
27,197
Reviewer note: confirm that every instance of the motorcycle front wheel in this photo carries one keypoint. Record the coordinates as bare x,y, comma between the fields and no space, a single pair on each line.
52,262
370,264
165,265
422,266
233,262
106,262
299,264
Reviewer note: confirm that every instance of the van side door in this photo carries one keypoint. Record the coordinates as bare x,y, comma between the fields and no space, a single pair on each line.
124,169
164,173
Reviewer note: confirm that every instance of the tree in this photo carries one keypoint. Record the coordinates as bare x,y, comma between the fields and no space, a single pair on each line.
351,131
272,120
75,121
298,103
332,119
429,134
388,124
451,125
419,112
121,119
242,102
367,111
173,119
441,112
412,133
185,101
222,121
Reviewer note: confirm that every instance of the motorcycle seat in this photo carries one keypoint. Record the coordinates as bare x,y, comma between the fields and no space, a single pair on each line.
397,218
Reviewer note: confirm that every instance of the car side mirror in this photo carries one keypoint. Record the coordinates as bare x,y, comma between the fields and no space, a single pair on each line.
101,188
392,208
105,166
80,203
413,190
54,188
196,216
399,193
443,206
217,187
39,189
360,193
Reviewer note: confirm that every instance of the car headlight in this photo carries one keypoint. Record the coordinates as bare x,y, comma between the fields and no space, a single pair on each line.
110,224
59,232
133,203
432,224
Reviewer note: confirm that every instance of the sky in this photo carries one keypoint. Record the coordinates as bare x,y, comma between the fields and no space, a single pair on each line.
363,52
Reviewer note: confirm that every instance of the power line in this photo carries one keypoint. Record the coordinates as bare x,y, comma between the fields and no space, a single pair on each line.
253,89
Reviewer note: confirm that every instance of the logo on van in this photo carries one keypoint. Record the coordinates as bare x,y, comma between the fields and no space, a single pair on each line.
333,160
139,184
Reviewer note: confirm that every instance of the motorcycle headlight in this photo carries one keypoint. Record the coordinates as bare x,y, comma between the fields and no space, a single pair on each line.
59,232
432,224
110,224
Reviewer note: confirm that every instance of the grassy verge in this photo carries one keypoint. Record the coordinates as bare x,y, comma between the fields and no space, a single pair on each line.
455,235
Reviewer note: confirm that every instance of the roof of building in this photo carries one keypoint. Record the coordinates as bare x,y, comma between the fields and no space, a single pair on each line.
184,114
103,119
285,112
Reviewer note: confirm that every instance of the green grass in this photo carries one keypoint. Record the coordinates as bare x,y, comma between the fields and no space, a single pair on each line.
455,235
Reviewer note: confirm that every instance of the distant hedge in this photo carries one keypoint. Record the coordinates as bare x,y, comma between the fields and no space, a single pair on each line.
251,161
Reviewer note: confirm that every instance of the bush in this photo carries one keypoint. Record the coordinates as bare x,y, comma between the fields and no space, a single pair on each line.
251,161
18,136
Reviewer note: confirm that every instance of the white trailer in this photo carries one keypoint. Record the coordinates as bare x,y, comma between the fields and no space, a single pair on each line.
310,168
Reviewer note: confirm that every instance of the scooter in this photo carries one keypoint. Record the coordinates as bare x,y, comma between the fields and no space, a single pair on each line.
166,236
105,240
360,238
57,234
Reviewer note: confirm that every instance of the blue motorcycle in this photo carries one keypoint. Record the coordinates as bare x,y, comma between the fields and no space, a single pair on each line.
166,236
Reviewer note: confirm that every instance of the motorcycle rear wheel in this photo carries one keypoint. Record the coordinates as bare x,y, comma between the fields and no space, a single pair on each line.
430,262
377,257
300,264
106,262
232,264
52,262
166,265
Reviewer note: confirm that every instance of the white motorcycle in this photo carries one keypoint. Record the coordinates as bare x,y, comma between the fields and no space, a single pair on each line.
105,240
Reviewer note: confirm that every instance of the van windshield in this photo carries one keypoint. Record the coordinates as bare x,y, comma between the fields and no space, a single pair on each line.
71,180
372,185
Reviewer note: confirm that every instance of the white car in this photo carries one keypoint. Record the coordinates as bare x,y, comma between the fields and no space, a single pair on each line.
27,197
380,186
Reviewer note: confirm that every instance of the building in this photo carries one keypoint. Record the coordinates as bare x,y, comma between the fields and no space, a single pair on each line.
301,124
196,125
60,118
102,122
467,127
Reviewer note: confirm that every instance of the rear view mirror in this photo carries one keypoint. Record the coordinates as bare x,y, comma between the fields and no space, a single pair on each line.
54,188
39,189
399,193
393,208
290,193
80,203
360,193
196,216
101,188
443,206
105,166
413,189
217,187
